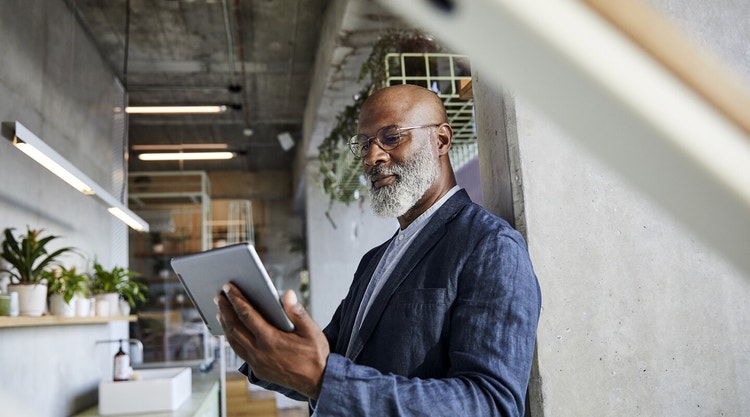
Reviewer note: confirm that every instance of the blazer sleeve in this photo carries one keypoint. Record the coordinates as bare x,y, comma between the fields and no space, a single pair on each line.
493,327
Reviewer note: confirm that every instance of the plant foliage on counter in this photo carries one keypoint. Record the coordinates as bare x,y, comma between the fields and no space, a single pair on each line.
67,282
118,280
28,256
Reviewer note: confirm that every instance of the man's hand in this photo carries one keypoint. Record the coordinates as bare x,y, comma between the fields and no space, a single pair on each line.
294,360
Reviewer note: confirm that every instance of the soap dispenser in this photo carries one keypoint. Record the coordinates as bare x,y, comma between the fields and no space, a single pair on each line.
122,365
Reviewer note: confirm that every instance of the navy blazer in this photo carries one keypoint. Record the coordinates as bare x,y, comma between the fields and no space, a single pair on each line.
452,331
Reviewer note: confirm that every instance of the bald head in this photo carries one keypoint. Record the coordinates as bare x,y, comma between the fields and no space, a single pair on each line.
404,104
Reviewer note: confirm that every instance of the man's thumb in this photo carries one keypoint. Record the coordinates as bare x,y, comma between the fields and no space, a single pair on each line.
290,298
295,310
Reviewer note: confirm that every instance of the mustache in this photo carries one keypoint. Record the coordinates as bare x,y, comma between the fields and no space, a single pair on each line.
382,170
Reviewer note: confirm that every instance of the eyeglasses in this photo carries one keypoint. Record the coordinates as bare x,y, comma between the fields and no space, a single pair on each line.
388,138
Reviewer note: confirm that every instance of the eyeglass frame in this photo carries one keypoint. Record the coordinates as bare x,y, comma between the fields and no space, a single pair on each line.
354,143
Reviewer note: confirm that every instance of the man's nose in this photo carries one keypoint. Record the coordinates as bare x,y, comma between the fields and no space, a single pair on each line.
375,154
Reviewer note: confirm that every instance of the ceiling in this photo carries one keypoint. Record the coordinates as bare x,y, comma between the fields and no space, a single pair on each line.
254,56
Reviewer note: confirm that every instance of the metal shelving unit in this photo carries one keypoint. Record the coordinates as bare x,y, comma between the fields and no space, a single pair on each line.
178,208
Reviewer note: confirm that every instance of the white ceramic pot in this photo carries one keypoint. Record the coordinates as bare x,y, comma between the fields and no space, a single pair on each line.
112,301
124,307
83,307
32,298
59,307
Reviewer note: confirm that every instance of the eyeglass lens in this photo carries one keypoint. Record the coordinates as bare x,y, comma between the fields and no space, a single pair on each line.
387,138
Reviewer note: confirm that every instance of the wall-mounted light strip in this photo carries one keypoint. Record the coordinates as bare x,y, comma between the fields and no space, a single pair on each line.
185,156
40,156
30,144
174,109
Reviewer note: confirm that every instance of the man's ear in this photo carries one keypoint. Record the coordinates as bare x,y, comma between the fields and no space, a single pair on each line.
445,138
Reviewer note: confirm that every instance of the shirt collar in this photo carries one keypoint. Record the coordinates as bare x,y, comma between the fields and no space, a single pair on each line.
420,221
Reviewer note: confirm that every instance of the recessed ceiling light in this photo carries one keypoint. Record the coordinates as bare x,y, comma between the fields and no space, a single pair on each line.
180,147
174,109
185,156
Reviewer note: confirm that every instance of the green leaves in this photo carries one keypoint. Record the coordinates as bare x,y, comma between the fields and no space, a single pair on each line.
118,280
28,257
67,282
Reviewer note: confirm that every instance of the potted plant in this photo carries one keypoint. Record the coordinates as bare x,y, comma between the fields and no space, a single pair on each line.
66,288
111,284
28,257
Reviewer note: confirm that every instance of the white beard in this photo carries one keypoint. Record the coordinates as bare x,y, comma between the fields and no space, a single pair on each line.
413,178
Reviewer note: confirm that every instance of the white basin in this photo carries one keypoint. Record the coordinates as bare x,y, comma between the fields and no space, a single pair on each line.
163,389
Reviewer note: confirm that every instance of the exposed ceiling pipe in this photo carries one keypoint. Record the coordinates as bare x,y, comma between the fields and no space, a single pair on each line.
230,46
126,48
240,41
292,51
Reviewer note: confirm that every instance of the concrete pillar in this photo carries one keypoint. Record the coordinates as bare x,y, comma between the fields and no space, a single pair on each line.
500,172
492,142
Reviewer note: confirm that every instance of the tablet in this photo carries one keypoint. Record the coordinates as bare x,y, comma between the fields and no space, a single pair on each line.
204,273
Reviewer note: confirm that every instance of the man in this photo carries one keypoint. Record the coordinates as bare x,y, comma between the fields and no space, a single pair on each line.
439,321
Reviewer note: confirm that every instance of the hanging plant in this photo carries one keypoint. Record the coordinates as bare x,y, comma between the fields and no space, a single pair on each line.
398,42
334,154
341,177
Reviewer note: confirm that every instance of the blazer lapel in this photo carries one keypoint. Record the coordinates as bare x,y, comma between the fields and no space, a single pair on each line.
427,238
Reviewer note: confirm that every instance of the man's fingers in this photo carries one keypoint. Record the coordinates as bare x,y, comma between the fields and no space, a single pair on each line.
229,321
245,312
273,354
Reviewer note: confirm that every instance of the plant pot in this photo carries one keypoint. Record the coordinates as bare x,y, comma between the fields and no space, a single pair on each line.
83,307
124,307
59,307
32,298
112,299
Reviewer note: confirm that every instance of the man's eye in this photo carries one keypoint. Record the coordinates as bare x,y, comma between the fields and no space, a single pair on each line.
390,139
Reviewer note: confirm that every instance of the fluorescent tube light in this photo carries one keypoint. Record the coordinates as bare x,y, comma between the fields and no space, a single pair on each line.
185,156
53,166
126,218
174,109
180,147
30,144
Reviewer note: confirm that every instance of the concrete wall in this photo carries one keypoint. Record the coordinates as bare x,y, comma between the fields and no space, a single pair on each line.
54,82
55,371
639,317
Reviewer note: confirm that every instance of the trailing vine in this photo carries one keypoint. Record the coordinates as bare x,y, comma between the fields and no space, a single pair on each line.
334,154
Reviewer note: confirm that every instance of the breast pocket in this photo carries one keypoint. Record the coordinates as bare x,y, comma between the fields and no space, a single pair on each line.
420,296
422,306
